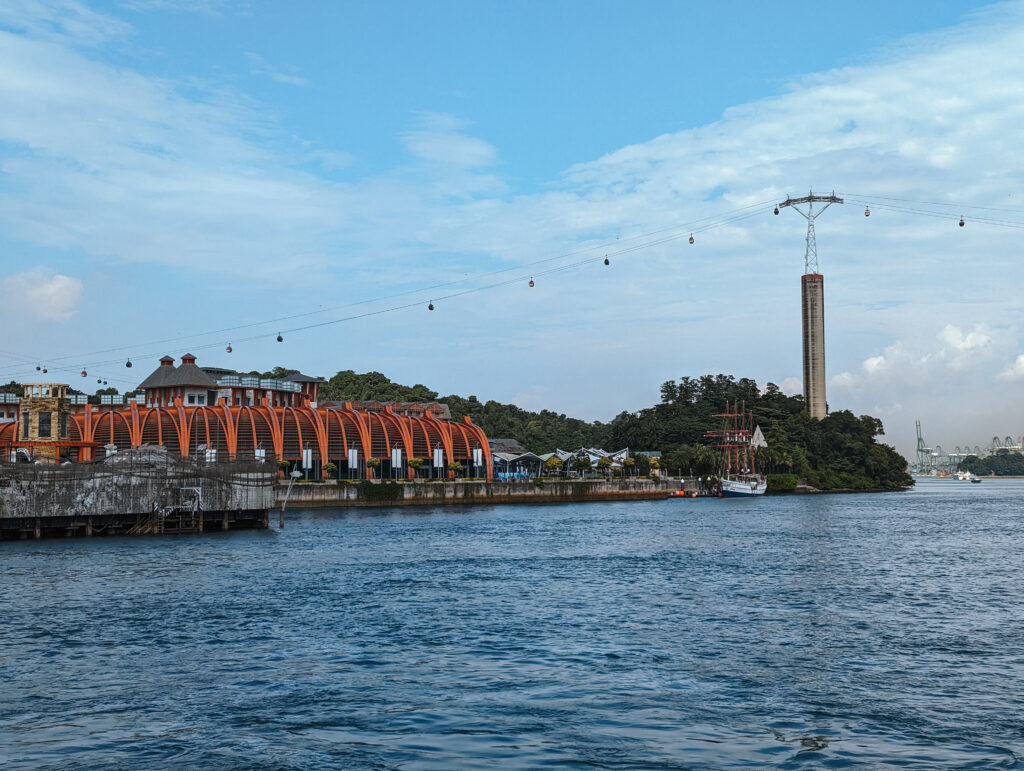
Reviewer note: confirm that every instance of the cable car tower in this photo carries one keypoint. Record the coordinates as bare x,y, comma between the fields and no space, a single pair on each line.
812,300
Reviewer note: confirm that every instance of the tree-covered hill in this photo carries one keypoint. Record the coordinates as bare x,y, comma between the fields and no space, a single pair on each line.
840,451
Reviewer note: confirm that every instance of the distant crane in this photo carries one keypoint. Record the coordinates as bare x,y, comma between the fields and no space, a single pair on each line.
924,452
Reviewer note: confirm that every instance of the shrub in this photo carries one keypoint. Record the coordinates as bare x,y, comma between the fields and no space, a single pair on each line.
781,483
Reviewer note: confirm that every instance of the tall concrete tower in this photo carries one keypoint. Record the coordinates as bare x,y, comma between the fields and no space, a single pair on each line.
812,305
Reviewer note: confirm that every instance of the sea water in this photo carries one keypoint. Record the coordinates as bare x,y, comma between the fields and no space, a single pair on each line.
872,630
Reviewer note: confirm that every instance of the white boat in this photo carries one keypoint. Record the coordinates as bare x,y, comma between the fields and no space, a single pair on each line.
744,484
737,440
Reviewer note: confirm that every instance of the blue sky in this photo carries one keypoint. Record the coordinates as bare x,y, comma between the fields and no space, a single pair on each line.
170,169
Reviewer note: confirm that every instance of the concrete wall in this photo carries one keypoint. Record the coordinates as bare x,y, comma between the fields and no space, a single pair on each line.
449,493
124,487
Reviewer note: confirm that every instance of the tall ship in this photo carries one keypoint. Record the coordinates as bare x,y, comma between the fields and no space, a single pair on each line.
736,441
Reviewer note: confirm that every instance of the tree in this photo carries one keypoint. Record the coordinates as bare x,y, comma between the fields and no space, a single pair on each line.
628,465
582,462
373,464
329,470
414,464
604,464
455,467
554,463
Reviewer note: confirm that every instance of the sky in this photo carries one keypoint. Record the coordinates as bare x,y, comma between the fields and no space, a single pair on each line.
178,175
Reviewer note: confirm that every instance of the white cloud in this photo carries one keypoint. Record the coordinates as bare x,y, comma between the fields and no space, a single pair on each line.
290,75
207,7
43,294
439,138
792,386
1015,371
68,21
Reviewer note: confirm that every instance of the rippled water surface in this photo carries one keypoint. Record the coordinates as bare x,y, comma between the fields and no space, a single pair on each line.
827,631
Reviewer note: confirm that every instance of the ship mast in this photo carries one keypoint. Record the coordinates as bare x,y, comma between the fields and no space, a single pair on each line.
734,438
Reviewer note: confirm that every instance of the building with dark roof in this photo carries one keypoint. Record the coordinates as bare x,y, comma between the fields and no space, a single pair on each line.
207,385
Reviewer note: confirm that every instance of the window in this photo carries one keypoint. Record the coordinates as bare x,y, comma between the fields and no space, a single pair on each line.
191,398
201,399
44,425
24,430
63,425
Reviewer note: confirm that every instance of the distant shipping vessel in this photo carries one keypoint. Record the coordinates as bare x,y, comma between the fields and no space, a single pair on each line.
737,440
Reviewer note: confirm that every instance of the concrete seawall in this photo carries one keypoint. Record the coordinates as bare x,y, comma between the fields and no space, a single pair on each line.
468,493
133,493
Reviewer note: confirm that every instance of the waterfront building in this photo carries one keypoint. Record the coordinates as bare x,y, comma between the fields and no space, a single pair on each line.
256,418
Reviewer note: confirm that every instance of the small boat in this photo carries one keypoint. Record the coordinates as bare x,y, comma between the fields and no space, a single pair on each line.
976,480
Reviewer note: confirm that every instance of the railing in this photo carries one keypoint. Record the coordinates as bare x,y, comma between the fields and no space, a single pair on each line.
271,384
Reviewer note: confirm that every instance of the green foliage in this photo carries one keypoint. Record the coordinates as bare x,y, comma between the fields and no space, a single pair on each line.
329,470
781,483
277,373
12,388
553,463
1004,463
380,493
540,432
348,386
643,464
582,463
837,452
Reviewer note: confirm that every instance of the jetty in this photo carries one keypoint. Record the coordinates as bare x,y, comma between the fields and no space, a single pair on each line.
135,492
